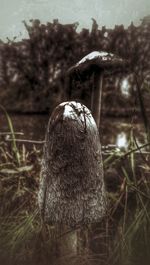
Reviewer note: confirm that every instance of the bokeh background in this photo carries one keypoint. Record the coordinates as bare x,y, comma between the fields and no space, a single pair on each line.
39,41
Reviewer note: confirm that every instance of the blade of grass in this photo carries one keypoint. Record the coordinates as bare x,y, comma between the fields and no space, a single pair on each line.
15,149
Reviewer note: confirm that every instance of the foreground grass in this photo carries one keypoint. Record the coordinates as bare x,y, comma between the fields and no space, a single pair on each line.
123,237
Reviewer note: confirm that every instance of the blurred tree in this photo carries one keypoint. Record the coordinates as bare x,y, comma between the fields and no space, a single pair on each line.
33,70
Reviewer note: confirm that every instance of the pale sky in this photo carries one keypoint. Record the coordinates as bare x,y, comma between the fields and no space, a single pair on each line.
106,12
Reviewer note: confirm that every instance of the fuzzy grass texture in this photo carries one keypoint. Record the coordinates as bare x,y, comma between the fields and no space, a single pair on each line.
123,238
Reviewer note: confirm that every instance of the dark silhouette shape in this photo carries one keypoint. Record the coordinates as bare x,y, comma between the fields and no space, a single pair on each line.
99,63
72,186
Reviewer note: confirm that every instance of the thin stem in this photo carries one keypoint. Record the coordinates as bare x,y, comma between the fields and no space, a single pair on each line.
26,141
10,133
97,94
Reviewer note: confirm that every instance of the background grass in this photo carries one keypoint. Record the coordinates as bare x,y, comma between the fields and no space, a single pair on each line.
121,238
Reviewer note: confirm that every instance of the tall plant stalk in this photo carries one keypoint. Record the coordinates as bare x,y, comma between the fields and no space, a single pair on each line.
11,128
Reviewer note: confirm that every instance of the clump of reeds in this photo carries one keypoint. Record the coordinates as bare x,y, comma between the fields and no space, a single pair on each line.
122,238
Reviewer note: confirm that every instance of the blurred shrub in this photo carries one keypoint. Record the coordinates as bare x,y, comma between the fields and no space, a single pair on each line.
32,71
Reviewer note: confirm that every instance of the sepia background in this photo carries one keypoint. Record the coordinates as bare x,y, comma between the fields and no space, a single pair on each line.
39,41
